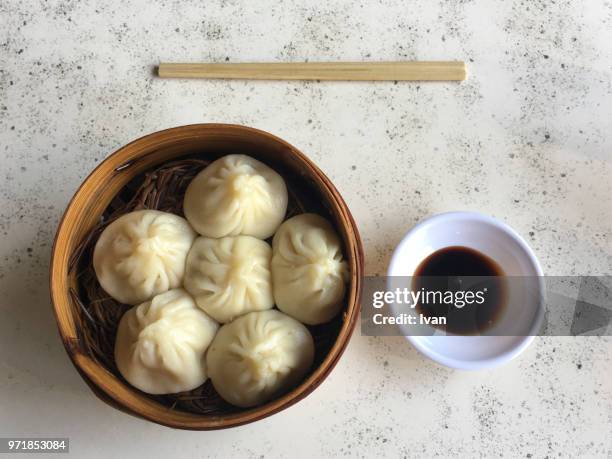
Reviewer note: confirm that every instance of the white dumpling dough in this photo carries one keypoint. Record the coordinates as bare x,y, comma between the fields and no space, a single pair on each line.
259,356
308,273
229,277
141,254
234,195
161,344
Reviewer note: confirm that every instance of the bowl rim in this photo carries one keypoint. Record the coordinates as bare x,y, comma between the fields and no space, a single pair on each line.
113,392
521,344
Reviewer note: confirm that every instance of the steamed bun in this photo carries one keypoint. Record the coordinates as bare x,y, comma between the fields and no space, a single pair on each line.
235,195
161,344
259,356
308,272
141,254
230,276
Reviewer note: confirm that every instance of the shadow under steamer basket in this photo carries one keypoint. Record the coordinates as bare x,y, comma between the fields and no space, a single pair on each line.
157,173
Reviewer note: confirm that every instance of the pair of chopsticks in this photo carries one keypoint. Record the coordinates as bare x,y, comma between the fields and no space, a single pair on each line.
353,71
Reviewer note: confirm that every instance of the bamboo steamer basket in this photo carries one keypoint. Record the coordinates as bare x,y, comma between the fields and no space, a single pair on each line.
84,213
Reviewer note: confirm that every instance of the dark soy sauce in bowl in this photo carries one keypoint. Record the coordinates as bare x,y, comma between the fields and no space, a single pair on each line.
455,269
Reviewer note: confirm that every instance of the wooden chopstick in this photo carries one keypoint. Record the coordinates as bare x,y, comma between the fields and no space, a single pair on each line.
357,71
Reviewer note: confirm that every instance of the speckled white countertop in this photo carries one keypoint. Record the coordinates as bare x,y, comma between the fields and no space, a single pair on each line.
528,139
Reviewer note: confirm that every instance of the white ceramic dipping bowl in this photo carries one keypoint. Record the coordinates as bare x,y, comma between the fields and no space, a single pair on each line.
524,308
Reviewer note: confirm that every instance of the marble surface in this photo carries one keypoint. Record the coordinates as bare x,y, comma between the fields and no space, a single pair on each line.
526,138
